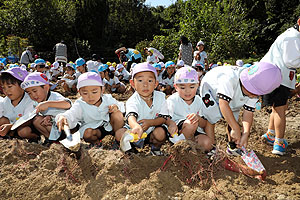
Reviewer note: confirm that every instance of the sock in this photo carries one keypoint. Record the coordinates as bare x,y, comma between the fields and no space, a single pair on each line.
271,131
279,140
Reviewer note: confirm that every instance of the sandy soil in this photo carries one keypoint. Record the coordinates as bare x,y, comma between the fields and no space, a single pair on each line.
33,171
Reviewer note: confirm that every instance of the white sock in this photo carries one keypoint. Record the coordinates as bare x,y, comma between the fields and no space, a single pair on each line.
271,131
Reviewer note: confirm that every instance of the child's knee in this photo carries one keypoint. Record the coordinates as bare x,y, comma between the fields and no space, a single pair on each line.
88,134
24,132
159,134
37,121
4,120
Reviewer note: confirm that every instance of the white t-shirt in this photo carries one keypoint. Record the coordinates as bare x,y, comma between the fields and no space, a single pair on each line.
159,78
285,53
14,113
1,106
168,81
69,82
125,74
179,109
110,82
54,96
223,82
135,104
152,59
90,116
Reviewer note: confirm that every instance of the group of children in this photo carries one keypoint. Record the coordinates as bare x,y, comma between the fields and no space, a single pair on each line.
223,92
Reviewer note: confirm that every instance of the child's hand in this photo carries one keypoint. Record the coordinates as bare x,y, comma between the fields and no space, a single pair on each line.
113,86
113,108
4,129
236,136
173,128
61,122
144,124
137,130
46,121
43,106
193,118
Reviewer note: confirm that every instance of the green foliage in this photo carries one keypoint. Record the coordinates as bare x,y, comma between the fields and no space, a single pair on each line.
16,45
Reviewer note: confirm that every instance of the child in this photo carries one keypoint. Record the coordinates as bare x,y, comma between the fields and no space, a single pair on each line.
80,67
168,78
180,63
202,54
98,113
56,71
49,104
16,103
146,109
184,108
159,76
69,79
225,90
124,75
151,58
110,82
283,53
40,65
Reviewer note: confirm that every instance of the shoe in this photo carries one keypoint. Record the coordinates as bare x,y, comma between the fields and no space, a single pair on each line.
211,155
268,138
280,148
233,150
156,151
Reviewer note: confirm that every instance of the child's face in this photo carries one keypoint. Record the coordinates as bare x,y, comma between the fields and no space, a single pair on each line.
249,94
12,91
81,69
186,91
70,71
170,70
38,93
120,70
144,83
40,68
102,75
200,47
91,94
158,71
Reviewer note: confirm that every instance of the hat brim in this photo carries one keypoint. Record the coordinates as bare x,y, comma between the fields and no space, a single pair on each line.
244,78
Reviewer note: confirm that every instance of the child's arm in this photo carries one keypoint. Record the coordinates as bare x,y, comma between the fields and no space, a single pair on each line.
228,115
172,127
146,123
135,127
247,123
61,104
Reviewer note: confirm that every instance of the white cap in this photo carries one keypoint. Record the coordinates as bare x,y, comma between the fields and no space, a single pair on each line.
239,63
180,63
200,43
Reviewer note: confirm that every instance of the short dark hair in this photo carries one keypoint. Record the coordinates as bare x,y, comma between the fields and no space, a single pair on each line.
9,79
184,40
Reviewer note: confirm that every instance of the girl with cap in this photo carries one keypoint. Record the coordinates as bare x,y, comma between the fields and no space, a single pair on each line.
69,79
146,109
56,71
157,66
40,65
98,114
124,75
80,67
16,103
184,108
225,90
202,55
110,81
46,102
168,78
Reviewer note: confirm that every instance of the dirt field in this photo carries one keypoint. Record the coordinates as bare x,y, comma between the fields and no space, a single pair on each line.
32,171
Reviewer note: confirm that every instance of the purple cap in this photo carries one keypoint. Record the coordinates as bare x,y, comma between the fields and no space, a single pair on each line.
89,79
17,72
261,78
35,79
143,67
186,75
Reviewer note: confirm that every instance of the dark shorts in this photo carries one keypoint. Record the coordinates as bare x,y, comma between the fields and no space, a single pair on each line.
104,132
277,98
180,124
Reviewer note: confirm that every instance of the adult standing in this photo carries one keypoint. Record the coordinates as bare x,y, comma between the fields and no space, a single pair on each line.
61,53
133,56
26,56
185,51
284,53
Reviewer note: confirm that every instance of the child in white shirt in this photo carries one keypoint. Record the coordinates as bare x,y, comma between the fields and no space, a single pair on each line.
16,103
184,108
48,104
98,114
124,75
69,79
225,90
168,78
146,109
110,81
